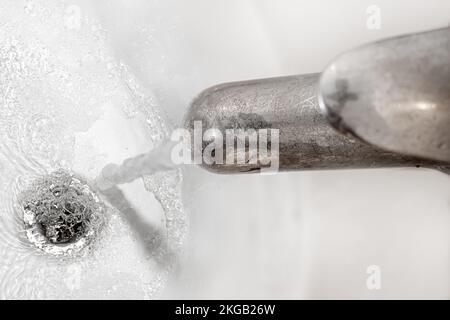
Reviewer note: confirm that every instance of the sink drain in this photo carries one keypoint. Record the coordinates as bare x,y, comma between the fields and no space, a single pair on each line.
62,214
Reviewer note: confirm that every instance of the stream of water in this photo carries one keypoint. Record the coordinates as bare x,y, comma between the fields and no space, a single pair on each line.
157,160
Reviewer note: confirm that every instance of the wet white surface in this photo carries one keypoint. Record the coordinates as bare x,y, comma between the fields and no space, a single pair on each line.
67,102
296,235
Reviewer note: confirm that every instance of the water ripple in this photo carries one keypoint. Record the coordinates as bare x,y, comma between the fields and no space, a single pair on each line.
53,85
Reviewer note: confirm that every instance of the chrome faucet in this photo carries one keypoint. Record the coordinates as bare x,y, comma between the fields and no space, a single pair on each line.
385,104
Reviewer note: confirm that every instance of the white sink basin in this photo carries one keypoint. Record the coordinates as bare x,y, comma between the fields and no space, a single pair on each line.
291,235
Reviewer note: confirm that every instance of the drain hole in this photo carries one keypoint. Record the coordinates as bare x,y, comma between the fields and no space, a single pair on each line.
60,209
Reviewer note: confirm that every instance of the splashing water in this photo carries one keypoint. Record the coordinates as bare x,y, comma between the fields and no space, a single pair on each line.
61,91
157,160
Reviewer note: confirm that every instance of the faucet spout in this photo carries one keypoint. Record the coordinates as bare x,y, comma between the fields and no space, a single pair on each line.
290,105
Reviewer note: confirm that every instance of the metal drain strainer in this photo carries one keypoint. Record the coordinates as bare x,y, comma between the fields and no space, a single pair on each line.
62,214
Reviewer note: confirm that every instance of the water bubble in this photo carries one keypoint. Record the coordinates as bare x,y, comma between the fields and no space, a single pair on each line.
61,213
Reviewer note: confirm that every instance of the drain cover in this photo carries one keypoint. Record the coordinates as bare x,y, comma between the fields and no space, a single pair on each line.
61,209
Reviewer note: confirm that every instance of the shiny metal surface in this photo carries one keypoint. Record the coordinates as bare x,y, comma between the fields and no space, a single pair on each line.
290,104
394,94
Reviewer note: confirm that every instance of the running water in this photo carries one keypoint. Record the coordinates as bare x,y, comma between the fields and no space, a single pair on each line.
157,160
69,104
